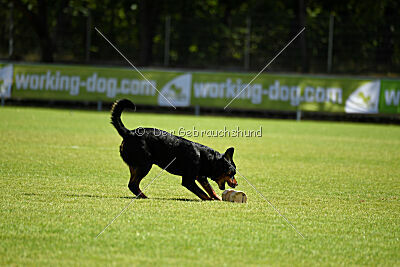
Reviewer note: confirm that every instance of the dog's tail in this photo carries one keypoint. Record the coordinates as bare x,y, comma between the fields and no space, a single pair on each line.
116,111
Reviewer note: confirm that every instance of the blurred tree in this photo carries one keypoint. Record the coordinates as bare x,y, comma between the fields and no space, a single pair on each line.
148,18
303,43
39,16
208,33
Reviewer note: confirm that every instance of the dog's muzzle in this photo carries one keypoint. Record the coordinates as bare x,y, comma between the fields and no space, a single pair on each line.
232,182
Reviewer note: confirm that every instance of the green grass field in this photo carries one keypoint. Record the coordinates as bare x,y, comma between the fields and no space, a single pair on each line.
62,181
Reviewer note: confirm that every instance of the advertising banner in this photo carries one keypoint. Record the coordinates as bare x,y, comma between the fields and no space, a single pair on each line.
86,83
390,96
204,89
284,92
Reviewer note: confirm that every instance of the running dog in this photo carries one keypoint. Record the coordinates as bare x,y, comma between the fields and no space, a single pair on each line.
143,147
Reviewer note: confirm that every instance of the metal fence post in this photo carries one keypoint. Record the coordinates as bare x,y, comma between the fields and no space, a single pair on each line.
88,36
11,31
197,110
330,42
167,40
298,114
247,44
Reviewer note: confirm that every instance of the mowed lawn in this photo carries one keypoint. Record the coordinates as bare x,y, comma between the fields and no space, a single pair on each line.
62,181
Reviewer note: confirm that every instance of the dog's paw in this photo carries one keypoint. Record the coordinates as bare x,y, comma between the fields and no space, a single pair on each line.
216,197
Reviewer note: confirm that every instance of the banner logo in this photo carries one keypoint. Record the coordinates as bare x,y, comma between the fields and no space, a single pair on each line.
177,91
6,79
392,97
365,99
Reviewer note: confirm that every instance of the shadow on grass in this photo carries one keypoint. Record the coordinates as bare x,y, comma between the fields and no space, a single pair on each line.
115,197
177,199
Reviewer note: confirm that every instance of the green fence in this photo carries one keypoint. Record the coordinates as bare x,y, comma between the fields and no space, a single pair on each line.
204,89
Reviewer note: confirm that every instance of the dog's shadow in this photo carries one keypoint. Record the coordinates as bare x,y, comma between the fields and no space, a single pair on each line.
177,199
116,197
132,197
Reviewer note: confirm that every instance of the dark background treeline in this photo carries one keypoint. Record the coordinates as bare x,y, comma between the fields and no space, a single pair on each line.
210,34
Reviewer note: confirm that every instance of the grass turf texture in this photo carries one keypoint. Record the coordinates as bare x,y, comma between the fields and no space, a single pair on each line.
62,181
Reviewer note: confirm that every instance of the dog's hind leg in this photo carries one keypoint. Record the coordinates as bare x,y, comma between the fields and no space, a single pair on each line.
137,174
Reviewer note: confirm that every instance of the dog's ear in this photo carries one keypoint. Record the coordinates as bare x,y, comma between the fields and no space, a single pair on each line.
229,153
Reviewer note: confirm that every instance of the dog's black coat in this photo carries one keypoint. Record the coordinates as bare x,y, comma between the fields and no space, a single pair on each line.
143,147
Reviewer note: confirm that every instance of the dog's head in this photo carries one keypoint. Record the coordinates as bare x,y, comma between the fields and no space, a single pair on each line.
226,170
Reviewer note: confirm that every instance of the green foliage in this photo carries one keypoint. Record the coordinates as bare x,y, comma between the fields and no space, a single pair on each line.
62,181
209,34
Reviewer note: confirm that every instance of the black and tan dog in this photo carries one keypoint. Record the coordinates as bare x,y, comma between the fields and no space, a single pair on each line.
143,147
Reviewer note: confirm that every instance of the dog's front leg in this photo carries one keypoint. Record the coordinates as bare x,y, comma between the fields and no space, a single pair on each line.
190,184
206,185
